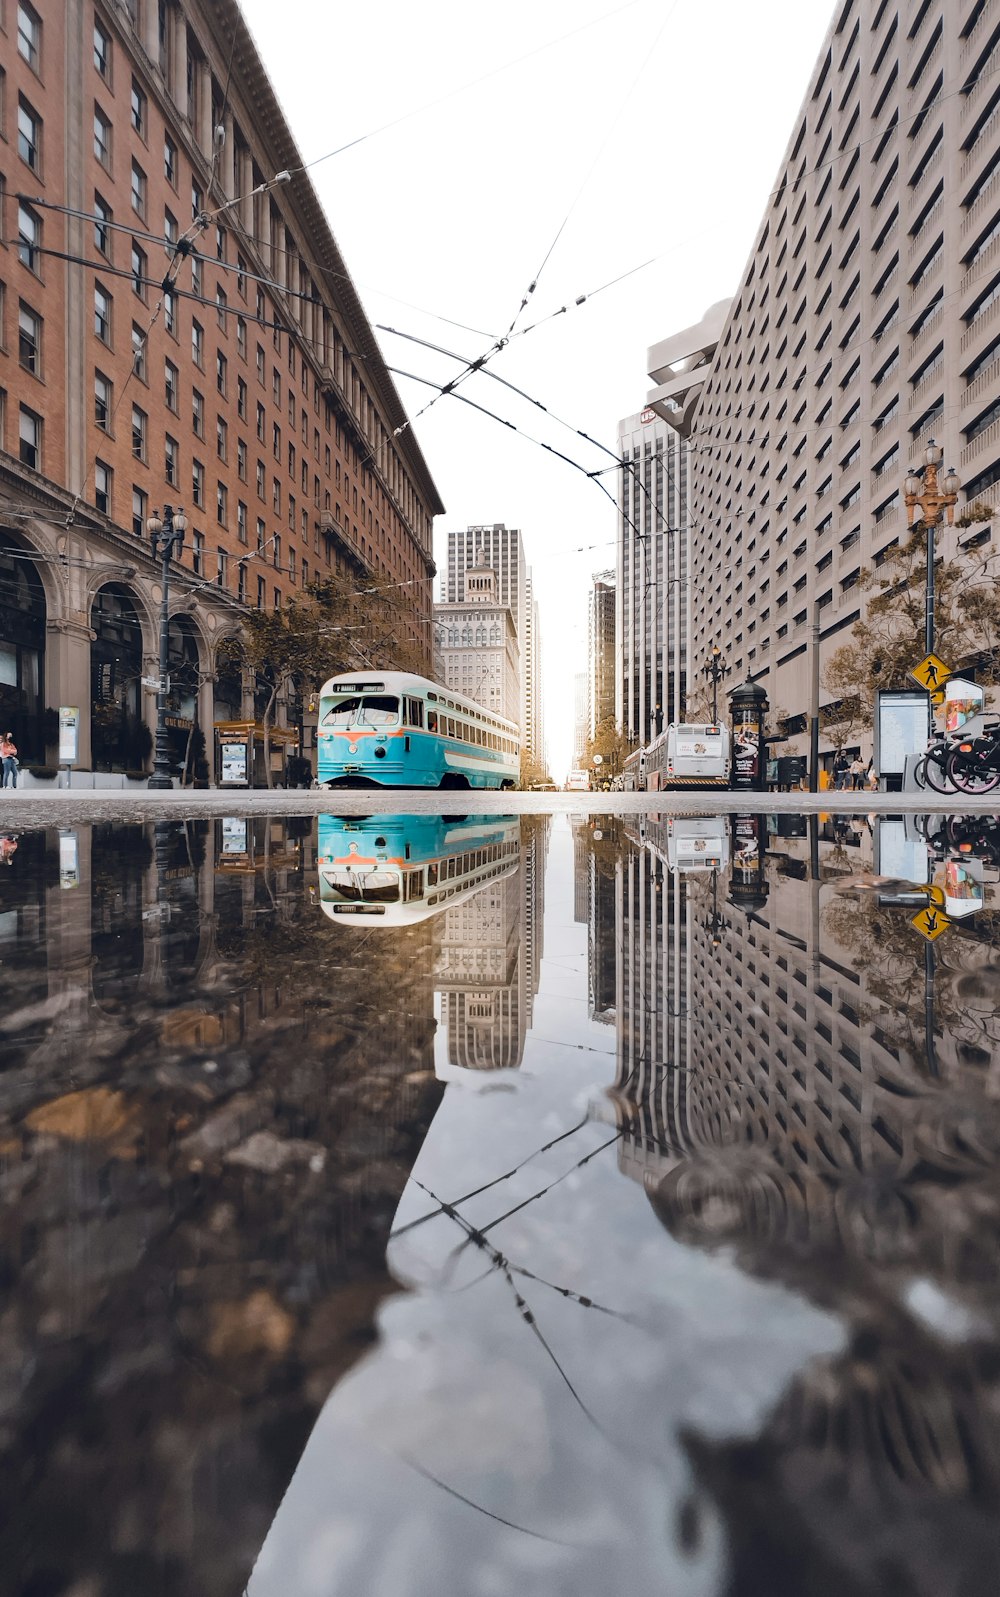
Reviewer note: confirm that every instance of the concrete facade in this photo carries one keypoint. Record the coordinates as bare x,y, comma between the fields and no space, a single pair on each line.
146,147
476,648
866,320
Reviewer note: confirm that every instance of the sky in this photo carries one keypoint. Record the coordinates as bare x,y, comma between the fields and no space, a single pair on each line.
562,143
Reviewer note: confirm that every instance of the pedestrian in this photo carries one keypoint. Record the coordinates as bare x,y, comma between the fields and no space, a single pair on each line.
871,777
857,773
8,848
841,766
8,754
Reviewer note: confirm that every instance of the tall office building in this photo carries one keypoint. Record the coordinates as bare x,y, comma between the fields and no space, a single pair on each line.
868,317
581,728
475,644
501,548
181,327
650,576
601,652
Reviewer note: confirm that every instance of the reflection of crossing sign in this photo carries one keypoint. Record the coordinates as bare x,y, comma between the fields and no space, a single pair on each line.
931,672
930,922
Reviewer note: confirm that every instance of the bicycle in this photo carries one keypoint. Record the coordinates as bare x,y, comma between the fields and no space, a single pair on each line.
931,770
974,764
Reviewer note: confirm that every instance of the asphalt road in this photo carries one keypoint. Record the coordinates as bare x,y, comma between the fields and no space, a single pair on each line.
29,808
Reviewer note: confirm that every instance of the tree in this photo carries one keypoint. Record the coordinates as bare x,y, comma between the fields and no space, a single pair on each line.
888,640
609,743
338,624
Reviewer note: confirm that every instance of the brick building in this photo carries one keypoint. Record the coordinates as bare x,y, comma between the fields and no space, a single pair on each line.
176,325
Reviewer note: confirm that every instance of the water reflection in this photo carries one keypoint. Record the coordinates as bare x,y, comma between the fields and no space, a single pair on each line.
766,1361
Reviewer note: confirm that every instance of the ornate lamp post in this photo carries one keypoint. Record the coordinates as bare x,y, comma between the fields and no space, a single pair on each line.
715,670
921,491
716,924
163,536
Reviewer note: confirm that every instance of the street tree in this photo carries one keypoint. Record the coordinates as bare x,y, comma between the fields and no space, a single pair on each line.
888,640
338,624
609,743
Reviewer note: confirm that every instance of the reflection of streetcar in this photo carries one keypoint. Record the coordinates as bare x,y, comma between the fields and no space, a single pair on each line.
391,729
688,755
697,843
400,869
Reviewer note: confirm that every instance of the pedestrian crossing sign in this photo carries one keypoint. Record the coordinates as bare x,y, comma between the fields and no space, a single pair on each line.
931,672
930,922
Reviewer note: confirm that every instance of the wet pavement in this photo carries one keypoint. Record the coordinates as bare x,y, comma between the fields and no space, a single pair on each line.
556,1203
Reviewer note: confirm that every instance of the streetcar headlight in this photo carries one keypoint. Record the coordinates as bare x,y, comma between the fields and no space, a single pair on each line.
380,754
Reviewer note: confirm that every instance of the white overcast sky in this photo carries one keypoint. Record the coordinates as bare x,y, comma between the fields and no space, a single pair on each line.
651,129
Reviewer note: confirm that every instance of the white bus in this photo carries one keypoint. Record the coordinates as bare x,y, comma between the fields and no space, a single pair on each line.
578,782
688,754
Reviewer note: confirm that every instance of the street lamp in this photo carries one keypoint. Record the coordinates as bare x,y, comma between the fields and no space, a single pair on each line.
715,670
163,536
716,924
920,490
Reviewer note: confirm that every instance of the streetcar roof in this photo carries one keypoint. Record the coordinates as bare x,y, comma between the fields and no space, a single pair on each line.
405,682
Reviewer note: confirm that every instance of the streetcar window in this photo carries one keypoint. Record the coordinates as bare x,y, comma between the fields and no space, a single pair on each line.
413,712
432,721
342,713
380,710
375,887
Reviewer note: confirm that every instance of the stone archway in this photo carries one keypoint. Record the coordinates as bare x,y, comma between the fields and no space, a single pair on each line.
22,650
120,739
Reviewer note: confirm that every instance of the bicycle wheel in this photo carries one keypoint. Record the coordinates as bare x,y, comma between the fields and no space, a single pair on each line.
971,775
920,773
936,769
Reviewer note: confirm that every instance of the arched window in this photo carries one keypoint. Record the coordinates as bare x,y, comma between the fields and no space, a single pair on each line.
120,739
22,650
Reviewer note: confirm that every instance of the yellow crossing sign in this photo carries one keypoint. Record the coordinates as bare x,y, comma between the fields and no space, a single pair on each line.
930,922
931,672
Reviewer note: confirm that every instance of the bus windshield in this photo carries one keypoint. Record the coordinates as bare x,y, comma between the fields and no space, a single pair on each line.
374,887
375,709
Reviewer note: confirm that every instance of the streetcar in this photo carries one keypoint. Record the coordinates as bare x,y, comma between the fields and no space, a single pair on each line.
688,755
393,729
397,870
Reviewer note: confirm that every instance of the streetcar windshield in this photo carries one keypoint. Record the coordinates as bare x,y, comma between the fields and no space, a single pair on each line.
374,887
374,709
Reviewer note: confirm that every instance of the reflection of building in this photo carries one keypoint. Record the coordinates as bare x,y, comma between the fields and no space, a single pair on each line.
602,876
205,1140
154,136
489,962
476,645
650,580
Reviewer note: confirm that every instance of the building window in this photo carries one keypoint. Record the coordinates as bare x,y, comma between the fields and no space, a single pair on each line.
241,581
29,36
138,189
220,243
29,238
241,399
102,52
30,439
241,335
139,511
102,402
241,521
276,552
261,535
170,161
139,430
221,373
171,392
222,567
196,276
276,496
171,461
102,227
170,312
102,314
29,340
198,554
260,421
139,352
222,504
276,440
261,480
29,136
260,363
139,271
138,104
197,202
198,484
102,138
221,305
102,487
241,459
221,438
198,344
198,413
261,593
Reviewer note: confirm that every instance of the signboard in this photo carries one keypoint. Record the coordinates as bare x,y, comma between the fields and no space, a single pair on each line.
746,747
931,672
234,764
647,416
930,923
962,701
69,734
900,730
69,860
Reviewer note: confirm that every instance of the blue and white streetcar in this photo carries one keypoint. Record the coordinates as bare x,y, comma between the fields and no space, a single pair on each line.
392,729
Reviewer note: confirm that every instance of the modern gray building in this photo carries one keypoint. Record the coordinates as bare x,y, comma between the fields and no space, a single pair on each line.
867,319
651,575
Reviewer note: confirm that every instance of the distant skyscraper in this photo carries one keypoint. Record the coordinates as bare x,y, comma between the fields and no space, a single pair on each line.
503,549
579,717
475,643
601,651
651,575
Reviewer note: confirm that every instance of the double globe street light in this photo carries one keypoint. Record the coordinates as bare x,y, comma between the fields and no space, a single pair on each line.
715,670
164,536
